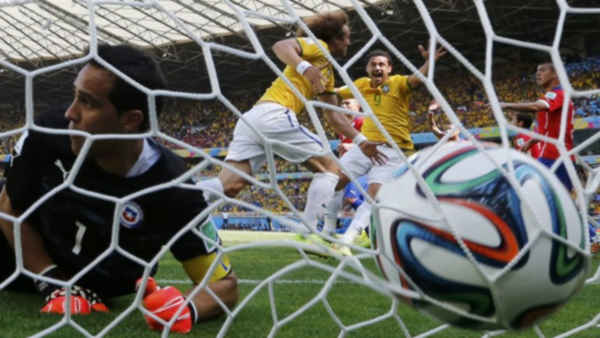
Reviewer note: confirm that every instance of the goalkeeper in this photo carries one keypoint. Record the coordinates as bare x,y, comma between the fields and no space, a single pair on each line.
68,231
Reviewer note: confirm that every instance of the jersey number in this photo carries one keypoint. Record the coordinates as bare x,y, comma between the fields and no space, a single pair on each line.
78,237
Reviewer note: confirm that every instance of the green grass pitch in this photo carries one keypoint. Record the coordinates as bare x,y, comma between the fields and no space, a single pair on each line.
353,303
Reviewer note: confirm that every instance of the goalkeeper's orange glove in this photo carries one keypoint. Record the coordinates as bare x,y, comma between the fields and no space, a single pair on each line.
83,301
164,303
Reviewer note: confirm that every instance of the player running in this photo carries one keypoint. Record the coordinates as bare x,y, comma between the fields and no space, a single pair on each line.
274,115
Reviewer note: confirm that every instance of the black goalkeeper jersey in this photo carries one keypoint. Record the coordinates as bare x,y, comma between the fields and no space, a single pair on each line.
76,228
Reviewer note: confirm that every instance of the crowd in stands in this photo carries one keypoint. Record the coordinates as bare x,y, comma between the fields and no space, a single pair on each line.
209,124
11,119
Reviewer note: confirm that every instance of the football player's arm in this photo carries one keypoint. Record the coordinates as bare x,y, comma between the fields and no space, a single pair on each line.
413,80
340,125
528,145
434,127
35,256
530,107
165,302
336,119
289,52
223,283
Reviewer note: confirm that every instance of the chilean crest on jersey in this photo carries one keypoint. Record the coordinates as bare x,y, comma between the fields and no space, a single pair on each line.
550,95
131,215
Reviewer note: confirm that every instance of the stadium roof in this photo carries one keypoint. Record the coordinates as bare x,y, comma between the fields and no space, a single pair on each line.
34,34
32,30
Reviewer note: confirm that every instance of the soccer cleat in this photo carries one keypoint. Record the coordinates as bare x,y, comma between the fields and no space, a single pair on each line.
317,245
317,240
300,238
363,240
341,250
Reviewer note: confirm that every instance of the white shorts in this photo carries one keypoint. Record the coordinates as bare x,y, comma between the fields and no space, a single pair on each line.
294,142
354,162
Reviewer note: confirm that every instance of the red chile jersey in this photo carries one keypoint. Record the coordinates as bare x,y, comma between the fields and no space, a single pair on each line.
519,141
548,122
356,124
76,228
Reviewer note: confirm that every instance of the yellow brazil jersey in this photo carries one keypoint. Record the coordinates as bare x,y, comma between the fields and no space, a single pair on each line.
280,92
390,103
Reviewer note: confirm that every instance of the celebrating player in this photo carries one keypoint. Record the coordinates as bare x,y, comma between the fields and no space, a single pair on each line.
274,115
388,97
549,110
70,230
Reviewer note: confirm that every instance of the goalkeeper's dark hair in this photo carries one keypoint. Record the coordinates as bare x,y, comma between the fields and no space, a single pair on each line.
526,119
140,67
327,26
379,52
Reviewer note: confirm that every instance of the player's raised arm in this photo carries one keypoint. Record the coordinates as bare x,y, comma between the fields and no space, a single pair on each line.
413,80
290,53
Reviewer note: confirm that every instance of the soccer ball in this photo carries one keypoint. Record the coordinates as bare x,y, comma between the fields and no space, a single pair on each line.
511,271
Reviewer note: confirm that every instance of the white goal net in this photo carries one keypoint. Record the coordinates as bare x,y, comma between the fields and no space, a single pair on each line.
217,58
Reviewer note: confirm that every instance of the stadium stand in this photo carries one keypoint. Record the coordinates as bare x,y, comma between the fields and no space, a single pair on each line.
209,125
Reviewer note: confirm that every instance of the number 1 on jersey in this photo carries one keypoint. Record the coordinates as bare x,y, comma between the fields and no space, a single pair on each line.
78,237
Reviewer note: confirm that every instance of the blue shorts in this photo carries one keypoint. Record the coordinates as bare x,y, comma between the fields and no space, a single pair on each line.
561,172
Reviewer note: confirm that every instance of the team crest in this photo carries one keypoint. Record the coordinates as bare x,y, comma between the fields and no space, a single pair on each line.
131,215
385,88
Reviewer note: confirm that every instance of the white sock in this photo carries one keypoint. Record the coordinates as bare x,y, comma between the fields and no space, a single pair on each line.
214,184
360,221
320,192
334,205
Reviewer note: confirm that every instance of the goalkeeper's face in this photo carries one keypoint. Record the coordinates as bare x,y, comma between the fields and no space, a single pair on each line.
93,112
